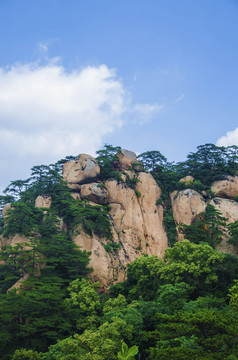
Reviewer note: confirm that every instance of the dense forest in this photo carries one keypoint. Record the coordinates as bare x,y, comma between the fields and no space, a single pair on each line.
184,306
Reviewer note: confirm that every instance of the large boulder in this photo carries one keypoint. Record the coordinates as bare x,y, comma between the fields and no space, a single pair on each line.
95,192
227,188
126,159
186,205
82,171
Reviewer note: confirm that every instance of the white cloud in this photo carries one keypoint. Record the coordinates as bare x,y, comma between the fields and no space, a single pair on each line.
231,138
47,113
47,110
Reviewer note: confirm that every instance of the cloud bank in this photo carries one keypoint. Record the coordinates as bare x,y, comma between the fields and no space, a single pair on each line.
231,138
47,112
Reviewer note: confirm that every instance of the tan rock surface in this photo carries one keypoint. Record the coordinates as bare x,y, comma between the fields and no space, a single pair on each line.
229,210
137,225
13,240
95,192
138,221
126,159
227,188
152,214
108,267
186,205
76,195
43,202
82,171
18,284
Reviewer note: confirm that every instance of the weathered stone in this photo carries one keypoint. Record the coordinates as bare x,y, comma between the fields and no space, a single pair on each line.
95,192
82,171
137,220
186,205
126,159
43,201
107,266
227,188
137,225
152,214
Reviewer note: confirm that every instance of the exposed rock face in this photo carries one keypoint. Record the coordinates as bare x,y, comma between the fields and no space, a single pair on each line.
76,195
186,205
95,192
108,267
82,171
229,210
43,202
227,188
137,222
126,158
137,225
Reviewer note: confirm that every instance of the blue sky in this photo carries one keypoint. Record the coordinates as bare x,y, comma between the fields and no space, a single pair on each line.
145,75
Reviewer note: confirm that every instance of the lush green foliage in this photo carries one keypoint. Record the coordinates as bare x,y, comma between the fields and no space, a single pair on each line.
210,227
109,162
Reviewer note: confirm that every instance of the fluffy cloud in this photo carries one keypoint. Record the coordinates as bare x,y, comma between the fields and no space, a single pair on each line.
231,138
47,112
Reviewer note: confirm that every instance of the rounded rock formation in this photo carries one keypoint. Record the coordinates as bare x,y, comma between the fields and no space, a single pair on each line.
82,171
186,205
227,188
126,159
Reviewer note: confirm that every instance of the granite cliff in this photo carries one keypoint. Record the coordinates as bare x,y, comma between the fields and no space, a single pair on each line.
135,213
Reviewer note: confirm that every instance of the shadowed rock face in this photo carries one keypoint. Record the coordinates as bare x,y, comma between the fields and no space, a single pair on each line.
94,192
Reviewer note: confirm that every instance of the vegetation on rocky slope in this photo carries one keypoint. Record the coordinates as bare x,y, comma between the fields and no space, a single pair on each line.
182,307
